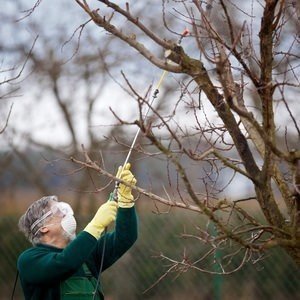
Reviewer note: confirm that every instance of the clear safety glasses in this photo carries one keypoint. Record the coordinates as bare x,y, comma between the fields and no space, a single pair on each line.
60,209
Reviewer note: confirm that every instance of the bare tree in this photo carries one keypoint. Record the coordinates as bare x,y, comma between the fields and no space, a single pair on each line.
8,82
73,89
247,72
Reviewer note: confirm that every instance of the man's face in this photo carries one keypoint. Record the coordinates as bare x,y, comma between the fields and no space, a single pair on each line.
53,224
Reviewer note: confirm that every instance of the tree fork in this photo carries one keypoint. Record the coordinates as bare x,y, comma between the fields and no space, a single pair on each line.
197,71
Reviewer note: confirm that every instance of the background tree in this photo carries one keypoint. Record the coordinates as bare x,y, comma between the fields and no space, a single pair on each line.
246,71
61,100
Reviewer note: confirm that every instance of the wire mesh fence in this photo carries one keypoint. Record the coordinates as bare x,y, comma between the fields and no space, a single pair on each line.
136,275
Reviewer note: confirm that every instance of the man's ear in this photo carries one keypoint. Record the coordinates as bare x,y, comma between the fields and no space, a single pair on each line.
44,229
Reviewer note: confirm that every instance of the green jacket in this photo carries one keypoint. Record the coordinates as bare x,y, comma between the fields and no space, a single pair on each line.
43,267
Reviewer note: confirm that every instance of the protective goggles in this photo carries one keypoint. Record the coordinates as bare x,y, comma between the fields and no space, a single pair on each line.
60,209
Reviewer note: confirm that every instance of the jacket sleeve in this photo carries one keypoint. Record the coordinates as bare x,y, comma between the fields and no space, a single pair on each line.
40,265
118,241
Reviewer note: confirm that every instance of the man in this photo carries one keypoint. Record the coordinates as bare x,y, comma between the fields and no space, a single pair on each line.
61,265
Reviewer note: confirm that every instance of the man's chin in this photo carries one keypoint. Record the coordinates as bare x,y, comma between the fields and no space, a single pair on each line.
69,237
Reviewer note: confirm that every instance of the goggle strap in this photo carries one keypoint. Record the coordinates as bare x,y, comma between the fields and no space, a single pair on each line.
43,217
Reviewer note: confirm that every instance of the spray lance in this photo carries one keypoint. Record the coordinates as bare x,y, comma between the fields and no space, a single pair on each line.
114,194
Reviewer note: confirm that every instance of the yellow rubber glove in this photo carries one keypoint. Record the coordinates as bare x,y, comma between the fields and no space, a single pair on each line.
125,198
106,214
